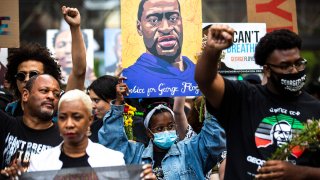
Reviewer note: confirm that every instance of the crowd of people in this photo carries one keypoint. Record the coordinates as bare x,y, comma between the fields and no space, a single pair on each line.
231,131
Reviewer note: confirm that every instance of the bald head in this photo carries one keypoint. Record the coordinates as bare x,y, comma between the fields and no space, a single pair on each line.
40,97
32,80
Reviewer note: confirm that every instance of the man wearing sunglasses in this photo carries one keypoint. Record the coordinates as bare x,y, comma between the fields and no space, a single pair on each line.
34,132
257,117
32,59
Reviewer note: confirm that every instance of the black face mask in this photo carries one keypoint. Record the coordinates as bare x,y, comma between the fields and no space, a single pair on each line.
288,84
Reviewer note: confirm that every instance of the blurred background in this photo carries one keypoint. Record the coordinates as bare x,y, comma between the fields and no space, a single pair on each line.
36,16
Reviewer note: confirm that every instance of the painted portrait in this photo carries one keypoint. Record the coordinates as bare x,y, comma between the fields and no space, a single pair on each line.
59,43
112,51
160,41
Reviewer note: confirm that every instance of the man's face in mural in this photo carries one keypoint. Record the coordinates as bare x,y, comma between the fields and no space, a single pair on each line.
282,133
118,46
161,27
62,47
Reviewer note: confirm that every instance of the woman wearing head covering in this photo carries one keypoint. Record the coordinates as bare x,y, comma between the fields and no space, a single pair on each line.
187,159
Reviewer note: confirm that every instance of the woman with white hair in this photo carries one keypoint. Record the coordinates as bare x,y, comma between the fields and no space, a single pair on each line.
76,150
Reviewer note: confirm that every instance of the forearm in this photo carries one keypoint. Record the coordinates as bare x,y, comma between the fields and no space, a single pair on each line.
210,82
310,172
210,143
79,64
207,67
111,134
180,116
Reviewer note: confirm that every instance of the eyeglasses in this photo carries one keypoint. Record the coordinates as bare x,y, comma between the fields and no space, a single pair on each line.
288,68
21,76
171,126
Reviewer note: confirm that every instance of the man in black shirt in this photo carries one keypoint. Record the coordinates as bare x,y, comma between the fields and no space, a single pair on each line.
255,117
34,131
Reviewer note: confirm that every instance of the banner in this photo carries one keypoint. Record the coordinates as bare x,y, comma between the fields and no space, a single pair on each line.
160,42
9,24
104,173
277,14
239,58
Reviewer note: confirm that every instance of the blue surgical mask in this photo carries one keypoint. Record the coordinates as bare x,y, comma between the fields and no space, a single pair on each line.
165,139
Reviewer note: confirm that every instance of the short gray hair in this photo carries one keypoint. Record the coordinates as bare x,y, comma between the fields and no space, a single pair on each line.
76,94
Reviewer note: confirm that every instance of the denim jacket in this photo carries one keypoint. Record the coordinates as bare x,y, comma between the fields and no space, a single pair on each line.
187,159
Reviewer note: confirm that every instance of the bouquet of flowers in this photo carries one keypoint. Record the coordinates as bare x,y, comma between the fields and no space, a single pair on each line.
308,138
128,114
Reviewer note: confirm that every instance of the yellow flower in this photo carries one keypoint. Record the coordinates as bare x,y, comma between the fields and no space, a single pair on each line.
130,113
131,108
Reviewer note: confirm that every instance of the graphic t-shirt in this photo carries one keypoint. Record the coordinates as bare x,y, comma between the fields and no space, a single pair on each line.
21,142
157,167
257,122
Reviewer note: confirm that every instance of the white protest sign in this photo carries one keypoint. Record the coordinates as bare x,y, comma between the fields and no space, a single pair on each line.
239,58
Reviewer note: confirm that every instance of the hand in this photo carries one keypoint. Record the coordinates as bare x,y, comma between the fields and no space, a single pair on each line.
220,37
122,90
71,16
276,169
12,172
147,173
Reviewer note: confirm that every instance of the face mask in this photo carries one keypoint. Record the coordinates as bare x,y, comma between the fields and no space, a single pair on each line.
165,139
288,84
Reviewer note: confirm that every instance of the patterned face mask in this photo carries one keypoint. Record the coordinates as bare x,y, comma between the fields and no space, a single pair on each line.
289,84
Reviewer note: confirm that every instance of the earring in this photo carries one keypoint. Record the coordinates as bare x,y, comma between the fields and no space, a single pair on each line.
89,133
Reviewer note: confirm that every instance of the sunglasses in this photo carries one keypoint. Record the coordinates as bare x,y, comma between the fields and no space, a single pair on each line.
21,76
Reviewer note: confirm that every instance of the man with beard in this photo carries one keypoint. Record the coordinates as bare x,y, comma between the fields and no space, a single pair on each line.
34,131
248,111
160,24
33,59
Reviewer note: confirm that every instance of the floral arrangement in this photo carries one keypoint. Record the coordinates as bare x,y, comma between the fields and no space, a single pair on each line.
308,138
128,114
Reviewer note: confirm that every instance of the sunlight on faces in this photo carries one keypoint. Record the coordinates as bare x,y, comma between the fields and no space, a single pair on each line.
161,28
99,106
27,67
74,116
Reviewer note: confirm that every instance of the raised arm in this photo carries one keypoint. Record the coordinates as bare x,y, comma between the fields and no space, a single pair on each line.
209,80
180,116
79,64
112,134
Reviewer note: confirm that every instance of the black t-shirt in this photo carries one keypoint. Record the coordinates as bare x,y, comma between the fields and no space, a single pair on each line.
21,141
257,121
157,167
95,126
70,162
